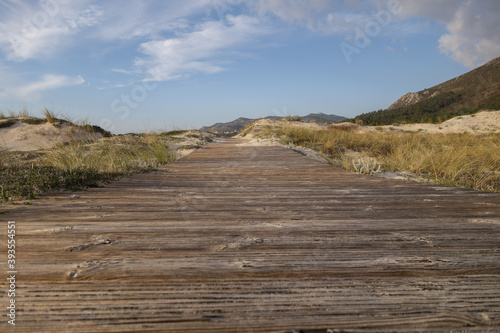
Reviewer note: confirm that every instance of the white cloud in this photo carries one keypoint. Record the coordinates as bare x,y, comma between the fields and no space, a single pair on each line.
31,30
146,18
122,71
473,36
172,43
48,82
198,51
12,87
338,17
114,86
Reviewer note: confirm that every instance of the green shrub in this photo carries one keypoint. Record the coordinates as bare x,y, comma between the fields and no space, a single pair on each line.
33,121
173,133
7,123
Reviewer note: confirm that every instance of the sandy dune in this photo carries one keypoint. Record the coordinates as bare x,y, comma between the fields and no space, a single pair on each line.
26,137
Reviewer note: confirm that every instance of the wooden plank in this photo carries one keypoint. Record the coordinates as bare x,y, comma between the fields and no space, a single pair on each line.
237,238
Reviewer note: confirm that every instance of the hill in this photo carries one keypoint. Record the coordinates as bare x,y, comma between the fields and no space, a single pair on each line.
229,127
469,93
239,124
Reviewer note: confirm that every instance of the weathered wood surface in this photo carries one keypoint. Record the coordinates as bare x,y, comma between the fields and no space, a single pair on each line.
258,239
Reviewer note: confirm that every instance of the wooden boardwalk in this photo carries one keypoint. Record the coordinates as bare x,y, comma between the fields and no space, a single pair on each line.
257,239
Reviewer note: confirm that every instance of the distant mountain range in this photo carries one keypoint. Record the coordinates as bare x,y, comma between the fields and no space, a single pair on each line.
469,93
240,123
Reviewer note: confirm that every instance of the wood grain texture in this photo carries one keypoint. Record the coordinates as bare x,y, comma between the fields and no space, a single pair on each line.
234,238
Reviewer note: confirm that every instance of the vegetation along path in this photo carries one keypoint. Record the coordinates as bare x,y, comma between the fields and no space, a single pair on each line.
234,238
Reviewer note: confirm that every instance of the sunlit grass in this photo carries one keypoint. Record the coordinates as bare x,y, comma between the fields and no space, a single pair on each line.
466,160
82,161
115,155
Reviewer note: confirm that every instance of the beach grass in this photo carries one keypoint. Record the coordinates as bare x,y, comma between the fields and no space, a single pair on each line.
465,160
78,164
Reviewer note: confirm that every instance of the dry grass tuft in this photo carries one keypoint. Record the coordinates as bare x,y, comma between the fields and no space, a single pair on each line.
51,116
24,113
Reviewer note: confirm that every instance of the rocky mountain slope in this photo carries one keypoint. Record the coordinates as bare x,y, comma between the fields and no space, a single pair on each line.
478,85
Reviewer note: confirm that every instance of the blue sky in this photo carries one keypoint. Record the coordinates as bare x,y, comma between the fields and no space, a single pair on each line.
158,65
